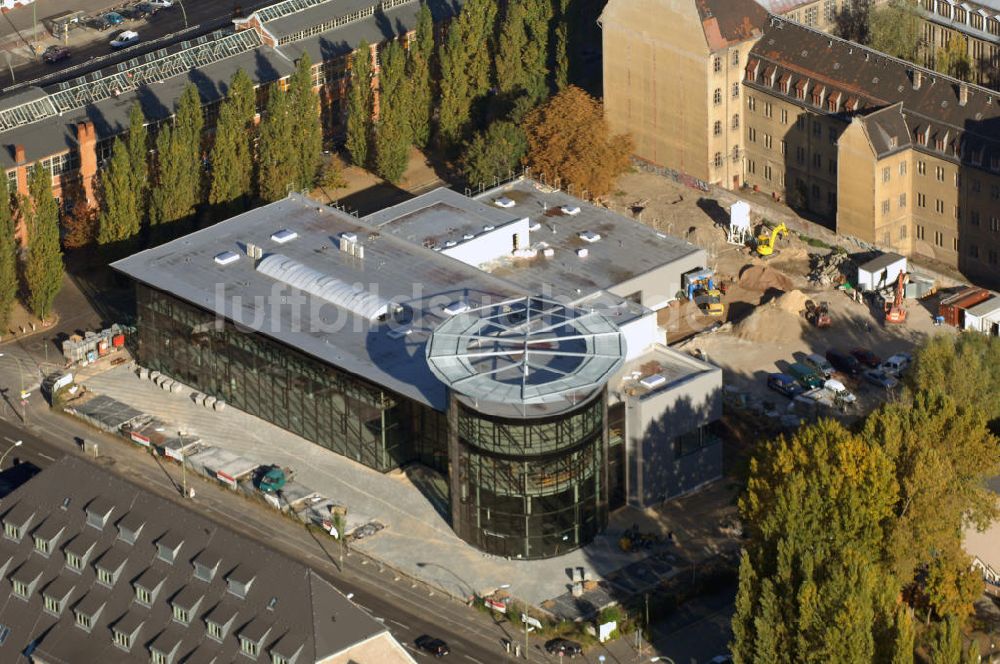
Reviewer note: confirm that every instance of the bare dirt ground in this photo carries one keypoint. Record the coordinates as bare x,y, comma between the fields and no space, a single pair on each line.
365,192
766,329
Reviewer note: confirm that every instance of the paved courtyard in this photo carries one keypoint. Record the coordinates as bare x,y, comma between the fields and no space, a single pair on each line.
417,540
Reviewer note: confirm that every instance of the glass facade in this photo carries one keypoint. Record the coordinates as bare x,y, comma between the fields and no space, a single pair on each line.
531,488
294,391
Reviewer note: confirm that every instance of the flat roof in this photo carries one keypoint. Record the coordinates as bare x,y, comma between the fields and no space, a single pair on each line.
421,281
985,308
674,367
626,248
880,263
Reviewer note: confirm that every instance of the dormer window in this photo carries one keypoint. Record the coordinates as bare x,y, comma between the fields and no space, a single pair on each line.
56,596
98,512
43,545
252,637
26,578
239,581
220,620
206,564
17,521
819,96
784,82
147,586
186,602
12,532
88,610
109,567
126,630
833,102
130,527
168,547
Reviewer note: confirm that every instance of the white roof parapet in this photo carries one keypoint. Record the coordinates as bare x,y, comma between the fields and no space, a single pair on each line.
351,297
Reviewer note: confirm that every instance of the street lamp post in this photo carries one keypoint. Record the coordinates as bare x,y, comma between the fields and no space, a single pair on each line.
183,12
17,443
20,395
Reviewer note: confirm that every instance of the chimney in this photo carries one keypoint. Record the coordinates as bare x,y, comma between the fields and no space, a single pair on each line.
21,187
86,139
963,94
918,79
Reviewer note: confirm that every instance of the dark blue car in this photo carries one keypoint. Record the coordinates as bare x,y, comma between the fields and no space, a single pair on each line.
784,384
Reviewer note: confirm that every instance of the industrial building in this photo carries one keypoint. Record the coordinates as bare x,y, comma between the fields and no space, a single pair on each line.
70,126
96,569
509,341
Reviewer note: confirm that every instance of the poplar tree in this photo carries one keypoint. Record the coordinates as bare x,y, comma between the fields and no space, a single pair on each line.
277,167
359,106
418,79
494,152
138,159
178,188
815,507
466,59
119,218
43,269
902,637
511,46
560,46
537,25
947,645
232,153
8,256
307,133
392,141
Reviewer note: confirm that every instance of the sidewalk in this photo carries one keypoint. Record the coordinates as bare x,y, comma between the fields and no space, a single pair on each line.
26,24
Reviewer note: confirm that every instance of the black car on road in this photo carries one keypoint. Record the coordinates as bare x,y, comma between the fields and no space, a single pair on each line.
429,644
843,362
54,54
563,648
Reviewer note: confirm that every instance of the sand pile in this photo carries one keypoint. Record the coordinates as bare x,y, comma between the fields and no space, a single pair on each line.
779,320
761,278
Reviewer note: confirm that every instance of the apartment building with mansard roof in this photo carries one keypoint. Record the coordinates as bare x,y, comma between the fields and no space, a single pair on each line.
893,154
672,73
96,569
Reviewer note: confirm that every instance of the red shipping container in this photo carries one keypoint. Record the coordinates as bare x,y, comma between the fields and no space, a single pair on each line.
118,340
102,347
952,309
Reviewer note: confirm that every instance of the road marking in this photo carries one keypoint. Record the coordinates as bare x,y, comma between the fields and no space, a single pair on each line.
399,623
46,456
472,658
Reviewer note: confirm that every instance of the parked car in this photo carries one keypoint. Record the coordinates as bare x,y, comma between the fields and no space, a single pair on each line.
805,375
114,18
897,364
99,22
161,4
819,363
429,644
784,384
880,378
839,391
125,38
136,12
563,648
848,364
867,358
55,54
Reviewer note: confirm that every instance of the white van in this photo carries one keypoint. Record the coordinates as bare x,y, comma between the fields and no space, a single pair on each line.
897,364
820,364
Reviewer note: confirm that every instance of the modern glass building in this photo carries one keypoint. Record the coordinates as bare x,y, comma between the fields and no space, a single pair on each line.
370,340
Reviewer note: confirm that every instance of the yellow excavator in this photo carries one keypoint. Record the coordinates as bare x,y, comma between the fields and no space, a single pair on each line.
765,242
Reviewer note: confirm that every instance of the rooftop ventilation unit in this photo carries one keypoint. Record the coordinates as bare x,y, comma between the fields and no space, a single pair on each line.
458,307
488,228
582,252
284,235
468,236
324,286
504,202
589,236
226,257
652,382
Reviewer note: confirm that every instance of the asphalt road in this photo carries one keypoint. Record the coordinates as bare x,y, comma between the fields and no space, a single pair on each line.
167,26
406,608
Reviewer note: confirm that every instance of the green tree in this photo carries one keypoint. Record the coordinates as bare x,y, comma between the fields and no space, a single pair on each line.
277,167
895,29
511,64
178,187
8,256
392,138
494,152
537,56
138,159
560,47
43,269
815,506
418,78
902,636
307,133
359,106
953,59
466,60
963,367
947,645
118,221
232,152
972,655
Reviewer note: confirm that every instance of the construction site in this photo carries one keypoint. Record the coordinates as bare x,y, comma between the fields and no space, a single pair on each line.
778,297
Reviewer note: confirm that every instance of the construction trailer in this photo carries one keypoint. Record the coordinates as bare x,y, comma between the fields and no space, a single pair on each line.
952,309
880,272
984,317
